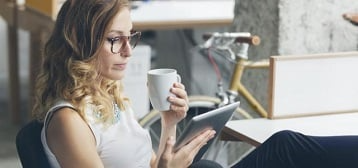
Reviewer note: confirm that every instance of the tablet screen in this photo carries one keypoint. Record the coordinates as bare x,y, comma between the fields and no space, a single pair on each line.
214,119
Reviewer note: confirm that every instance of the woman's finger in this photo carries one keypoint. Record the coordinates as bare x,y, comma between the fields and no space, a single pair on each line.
198,142
167,153
179,92
179,85
178,102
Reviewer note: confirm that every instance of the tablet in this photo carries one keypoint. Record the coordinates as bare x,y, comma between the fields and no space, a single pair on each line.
214,119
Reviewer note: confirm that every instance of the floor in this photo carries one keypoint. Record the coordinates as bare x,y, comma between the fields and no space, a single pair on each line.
8,130
8,154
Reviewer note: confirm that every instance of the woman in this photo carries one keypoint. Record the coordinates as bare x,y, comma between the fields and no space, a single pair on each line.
88,122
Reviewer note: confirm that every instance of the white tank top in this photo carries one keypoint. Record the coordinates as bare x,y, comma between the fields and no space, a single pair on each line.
123,144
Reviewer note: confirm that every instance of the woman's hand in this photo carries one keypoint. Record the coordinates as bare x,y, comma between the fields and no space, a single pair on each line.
184,157
179,106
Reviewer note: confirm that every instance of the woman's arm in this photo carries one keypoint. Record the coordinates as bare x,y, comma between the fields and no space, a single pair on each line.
71,140
166,157
153,160
169,119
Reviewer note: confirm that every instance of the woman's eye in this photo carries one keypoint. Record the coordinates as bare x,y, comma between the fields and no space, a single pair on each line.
113,39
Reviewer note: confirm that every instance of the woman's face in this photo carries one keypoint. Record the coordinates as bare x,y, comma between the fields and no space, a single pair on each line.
112,65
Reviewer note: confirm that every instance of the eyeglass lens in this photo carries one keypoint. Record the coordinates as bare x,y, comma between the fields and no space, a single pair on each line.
119,43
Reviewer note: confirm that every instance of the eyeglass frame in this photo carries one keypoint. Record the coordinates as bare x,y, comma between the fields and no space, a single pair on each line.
128,39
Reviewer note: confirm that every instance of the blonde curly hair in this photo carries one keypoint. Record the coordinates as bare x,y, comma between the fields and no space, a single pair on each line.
70,64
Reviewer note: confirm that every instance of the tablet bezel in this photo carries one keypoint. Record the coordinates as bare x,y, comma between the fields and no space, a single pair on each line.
214,119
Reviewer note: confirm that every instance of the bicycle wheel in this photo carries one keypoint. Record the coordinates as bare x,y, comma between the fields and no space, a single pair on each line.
223,152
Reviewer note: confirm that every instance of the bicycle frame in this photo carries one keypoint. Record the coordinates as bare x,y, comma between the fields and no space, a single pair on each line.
237,86
242,41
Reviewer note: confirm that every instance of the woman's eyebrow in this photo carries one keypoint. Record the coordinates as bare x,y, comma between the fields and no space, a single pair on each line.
118,32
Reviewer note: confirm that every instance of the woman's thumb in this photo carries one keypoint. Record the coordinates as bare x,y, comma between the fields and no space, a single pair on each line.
169,146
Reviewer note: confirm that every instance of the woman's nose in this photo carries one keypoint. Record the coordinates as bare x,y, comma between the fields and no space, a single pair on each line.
126,49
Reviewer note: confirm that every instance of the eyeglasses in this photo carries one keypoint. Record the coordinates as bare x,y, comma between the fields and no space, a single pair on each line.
119,43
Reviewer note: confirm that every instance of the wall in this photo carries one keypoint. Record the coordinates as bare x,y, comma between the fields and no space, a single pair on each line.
285,27
294,27
318,27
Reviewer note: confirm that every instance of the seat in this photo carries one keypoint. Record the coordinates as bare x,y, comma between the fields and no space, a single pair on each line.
29,146
32,155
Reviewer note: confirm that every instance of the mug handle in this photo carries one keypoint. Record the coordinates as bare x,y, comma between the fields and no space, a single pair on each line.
178,78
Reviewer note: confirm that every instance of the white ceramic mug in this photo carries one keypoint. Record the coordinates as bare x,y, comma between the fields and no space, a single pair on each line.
159,83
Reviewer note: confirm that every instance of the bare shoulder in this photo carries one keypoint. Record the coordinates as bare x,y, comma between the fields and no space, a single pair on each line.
71,140
67,123
65,118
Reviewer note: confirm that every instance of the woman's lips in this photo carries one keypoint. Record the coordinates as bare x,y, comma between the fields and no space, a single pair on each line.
120,66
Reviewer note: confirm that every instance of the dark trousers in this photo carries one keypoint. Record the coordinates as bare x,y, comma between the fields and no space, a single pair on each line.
205,164
288,149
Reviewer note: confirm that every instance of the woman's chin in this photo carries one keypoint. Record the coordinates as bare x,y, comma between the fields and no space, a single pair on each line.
115,76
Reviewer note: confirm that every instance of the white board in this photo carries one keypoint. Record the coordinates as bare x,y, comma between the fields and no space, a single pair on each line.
135,80
304,85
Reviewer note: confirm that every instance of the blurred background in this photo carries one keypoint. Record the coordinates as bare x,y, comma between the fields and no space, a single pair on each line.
284,26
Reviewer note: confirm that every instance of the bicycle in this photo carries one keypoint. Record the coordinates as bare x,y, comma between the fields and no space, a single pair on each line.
236,45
